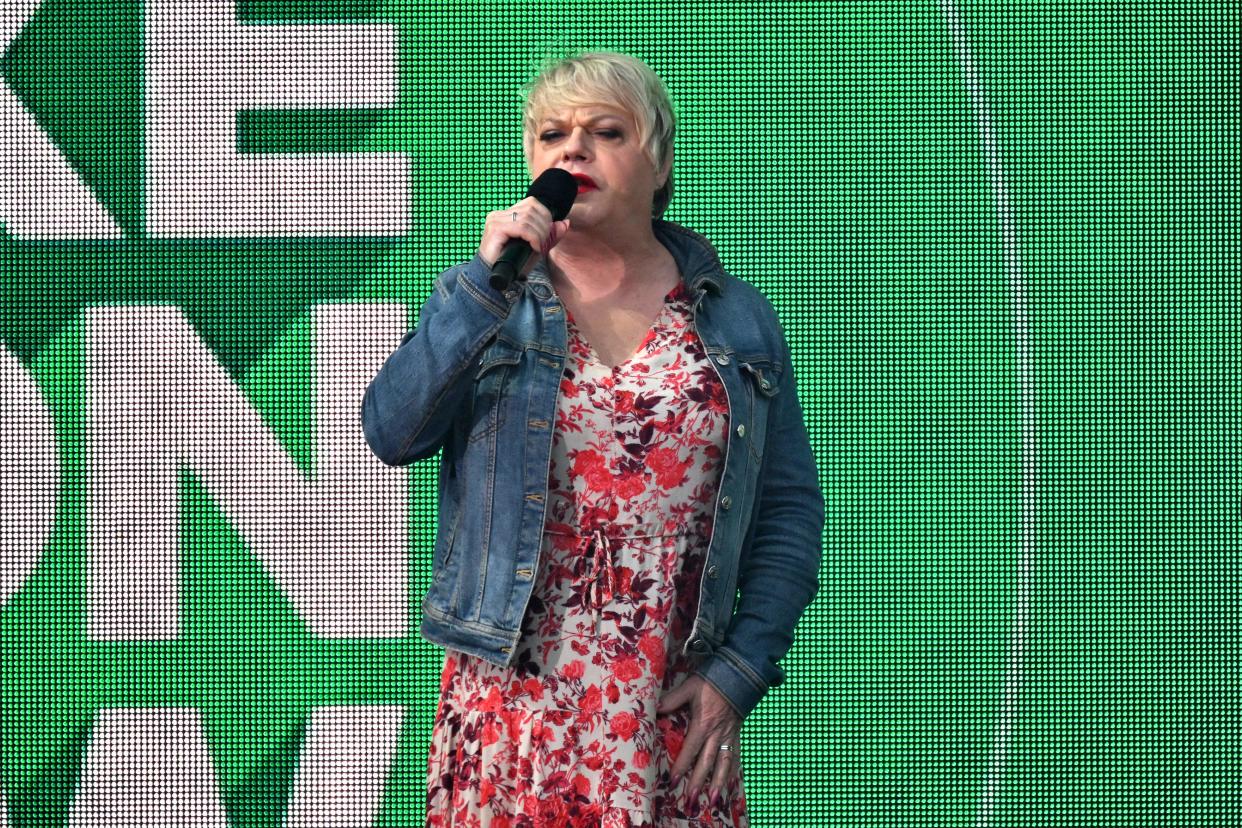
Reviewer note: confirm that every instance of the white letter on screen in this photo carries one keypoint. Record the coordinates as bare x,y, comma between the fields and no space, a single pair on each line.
29,475
148,766
41,194
158,401
344,766
203,66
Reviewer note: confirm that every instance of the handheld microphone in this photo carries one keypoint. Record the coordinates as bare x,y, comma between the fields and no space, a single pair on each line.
554,189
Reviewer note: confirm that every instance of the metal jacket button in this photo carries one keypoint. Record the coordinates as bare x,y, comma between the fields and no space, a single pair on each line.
726,502
712,572
723,359
741,431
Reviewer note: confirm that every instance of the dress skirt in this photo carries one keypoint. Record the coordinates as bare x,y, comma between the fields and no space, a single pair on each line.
568,735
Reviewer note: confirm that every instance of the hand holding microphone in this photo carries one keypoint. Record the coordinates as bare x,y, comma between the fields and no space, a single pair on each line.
537,222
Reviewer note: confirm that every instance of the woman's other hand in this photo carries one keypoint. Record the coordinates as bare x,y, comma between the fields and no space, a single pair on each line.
529,220
713,723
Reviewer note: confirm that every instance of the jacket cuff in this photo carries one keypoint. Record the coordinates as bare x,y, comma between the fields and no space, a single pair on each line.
739,684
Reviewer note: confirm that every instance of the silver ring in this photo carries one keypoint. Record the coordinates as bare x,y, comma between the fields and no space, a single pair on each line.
515,216
726,747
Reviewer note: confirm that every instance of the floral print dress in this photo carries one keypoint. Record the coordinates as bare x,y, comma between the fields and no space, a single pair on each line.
569,735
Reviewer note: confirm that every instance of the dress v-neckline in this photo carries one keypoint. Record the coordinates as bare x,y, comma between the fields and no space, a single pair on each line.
652,331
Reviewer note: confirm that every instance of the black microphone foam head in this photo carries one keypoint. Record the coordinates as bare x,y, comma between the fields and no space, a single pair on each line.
555,189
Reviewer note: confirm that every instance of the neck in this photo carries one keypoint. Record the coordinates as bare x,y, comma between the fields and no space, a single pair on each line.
593,264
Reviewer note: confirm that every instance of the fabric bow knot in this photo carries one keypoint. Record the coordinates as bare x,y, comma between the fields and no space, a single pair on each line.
601,582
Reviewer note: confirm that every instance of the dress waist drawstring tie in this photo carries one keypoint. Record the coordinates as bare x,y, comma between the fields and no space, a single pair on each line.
601,581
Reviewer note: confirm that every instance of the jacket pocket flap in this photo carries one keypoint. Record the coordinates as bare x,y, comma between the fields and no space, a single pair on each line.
496,354
767,377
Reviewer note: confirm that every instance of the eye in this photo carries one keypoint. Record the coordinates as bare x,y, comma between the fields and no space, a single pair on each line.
610,133
548,136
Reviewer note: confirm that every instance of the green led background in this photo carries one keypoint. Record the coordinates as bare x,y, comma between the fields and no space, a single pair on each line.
1003,240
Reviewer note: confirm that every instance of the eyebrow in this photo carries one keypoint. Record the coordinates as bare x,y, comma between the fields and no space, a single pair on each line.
593,119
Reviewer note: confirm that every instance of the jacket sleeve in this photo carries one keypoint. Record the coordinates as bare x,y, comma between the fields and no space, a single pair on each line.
779,566
408,408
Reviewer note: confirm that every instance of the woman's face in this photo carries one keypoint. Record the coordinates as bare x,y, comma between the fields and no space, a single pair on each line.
602,142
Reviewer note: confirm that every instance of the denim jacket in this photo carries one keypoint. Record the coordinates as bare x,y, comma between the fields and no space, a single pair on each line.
479,378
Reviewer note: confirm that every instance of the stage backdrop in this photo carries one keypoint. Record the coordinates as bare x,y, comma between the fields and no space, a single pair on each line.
1002,238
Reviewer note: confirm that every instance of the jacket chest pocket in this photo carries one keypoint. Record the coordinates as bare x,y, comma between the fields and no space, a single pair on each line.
497,366
762,383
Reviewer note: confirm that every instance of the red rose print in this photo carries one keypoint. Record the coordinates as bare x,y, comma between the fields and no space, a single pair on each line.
652,647
516,721
599,479
591,701
587,460
625,578
492,703
552,813
624,724
662,459
630,486
573,670
627,669
534,688
673,739
592,466
670,470
490,734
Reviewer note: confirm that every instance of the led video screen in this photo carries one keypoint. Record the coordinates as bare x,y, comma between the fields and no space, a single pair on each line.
1002,242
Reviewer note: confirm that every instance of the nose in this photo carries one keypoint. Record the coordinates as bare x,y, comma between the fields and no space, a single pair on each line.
577,143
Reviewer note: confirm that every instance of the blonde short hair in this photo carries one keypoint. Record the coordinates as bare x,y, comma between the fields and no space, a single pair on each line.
614,79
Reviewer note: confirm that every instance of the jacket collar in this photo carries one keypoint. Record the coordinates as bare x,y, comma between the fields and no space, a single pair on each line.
696,258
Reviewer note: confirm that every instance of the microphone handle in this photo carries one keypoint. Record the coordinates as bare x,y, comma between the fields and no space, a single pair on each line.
509,264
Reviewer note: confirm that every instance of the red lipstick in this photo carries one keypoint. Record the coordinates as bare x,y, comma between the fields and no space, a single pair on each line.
585,180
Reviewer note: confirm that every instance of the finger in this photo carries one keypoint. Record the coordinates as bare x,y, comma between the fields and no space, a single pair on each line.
703,767
537,208
673,699
695,734
518,222
539,218
558,231
499,228
531,228
726,765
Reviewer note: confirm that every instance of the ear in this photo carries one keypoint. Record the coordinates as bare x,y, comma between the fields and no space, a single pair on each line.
668,168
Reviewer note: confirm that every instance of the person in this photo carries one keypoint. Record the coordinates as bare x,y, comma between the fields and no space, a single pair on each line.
629,513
